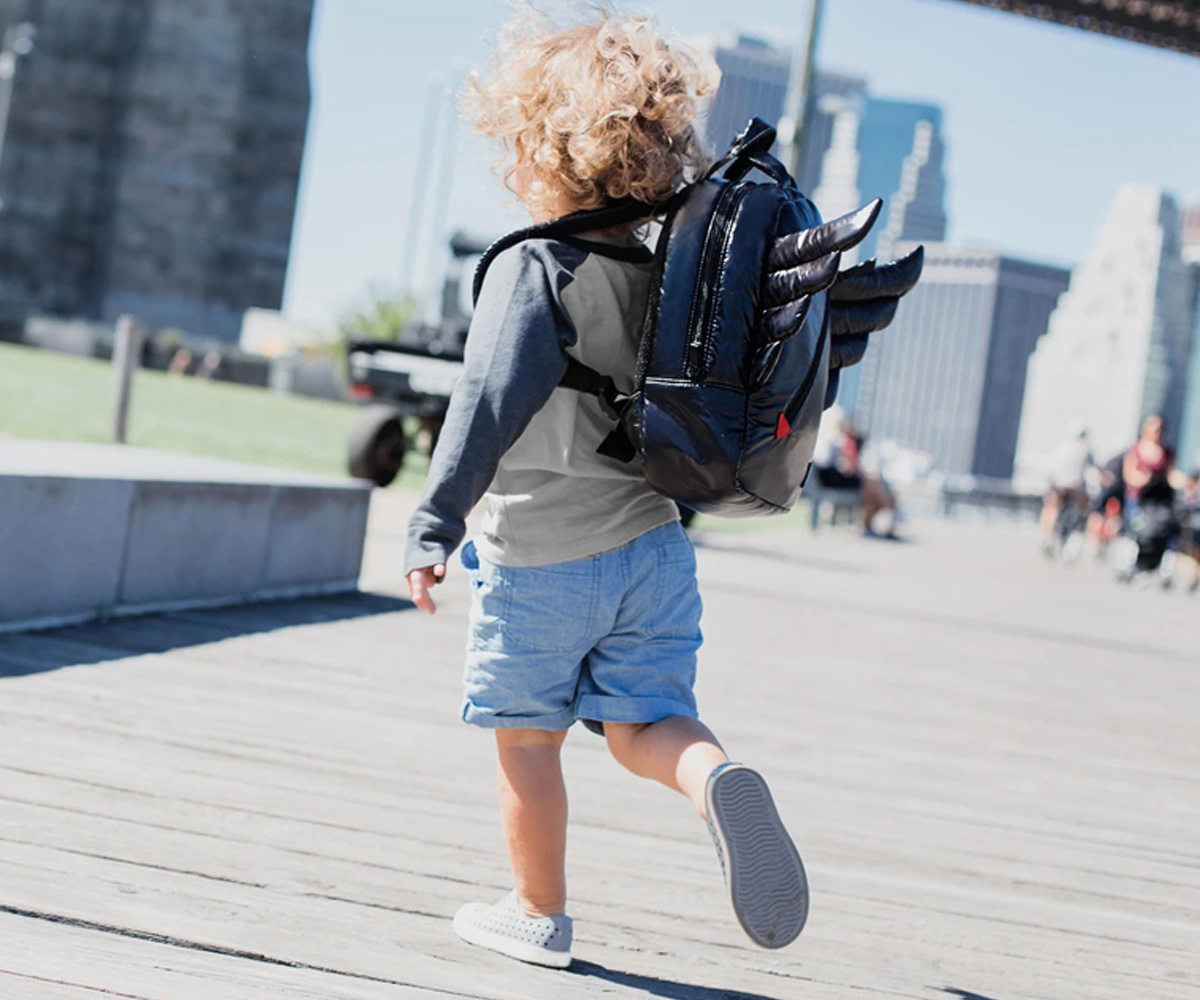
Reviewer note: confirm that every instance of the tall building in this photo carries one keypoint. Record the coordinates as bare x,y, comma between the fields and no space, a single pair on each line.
1119,343
152,159
755,76
1189,430
948,376
832,93
861,147
1189,234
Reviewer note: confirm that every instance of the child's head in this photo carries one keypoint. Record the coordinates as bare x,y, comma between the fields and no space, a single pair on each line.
591,112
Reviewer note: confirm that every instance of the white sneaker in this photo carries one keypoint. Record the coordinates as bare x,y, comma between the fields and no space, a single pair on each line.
505,928
763,871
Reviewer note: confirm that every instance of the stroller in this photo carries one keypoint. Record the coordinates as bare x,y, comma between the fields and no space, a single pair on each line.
1153,526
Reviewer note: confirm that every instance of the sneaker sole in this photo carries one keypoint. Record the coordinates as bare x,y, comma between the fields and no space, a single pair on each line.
519,950
763,870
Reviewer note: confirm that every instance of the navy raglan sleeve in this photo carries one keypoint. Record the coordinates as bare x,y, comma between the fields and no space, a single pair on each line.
514,360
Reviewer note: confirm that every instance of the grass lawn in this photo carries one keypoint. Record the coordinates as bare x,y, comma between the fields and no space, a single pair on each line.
60,397
57,396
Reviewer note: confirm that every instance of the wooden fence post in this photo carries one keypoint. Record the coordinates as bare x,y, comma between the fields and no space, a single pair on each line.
127,353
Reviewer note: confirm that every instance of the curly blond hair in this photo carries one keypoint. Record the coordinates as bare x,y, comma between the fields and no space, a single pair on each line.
592,111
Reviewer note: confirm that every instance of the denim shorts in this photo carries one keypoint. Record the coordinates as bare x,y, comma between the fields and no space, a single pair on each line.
610,638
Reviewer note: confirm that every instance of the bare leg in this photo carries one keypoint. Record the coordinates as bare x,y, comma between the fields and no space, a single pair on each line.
533,801
679,752
875,498
1049,517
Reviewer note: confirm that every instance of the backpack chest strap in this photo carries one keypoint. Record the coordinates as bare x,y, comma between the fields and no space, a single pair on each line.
615,403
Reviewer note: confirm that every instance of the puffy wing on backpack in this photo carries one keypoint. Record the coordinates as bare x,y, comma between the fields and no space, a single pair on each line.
802,265
861,301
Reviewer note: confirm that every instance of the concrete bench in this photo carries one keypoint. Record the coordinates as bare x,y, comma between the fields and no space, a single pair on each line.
92,531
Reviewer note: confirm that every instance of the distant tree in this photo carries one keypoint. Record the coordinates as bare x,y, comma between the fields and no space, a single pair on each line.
381,315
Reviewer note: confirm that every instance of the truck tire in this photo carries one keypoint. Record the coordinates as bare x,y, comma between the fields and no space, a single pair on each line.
377,444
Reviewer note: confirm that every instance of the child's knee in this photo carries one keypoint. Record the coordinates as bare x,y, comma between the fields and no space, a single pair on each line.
619,735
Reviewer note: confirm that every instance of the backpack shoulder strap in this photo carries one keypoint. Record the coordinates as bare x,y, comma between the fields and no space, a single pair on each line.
621,212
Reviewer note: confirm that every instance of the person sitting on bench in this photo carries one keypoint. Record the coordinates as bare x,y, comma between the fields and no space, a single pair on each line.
836,462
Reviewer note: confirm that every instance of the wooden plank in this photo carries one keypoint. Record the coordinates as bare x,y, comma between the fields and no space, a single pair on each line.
43,960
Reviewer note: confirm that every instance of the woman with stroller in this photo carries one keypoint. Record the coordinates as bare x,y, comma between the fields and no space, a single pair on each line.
1150,482
1149,464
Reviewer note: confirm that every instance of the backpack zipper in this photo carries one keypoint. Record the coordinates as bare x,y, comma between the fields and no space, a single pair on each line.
794,407
719,234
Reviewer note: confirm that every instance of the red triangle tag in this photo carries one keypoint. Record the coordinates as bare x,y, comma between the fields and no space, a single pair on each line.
782,428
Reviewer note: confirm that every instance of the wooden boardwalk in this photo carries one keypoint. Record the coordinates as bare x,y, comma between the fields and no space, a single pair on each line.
991,766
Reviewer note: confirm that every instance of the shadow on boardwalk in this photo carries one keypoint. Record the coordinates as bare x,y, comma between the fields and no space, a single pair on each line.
964,994
23,654
660,987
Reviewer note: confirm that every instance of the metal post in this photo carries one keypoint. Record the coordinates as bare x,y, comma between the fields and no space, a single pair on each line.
445,182
800,98
127,353
18,42
422,176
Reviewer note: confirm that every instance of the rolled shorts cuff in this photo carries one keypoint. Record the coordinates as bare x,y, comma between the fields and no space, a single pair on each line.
620,708
553,722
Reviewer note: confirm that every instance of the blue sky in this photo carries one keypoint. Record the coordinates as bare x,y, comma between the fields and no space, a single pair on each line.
1042,124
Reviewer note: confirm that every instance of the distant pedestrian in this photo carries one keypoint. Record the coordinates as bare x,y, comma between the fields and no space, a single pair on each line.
837,465
210,367
1065,506
584,596
1149,465
181,362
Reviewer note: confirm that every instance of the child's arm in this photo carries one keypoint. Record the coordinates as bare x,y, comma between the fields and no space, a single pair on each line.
514,360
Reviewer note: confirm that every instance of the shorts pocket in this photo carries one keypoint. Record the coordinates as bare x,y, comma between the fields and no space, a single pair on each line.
487,604
548,609
677,595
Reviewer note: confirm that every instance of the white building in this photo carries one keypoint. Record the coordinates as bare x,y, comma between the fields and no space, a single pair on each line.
1119,342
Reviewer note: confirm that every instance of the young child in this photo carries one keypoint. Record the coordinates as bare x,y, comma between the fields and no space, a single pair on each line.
584,596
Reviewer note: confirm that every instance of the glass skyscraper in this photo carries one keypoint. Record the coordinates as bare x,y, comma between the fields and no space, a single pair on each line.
948,376
755,76
862,147
1189,430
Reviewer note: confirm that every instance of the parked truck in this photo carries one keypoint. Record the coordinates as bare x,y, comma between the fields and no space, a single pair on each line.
408,381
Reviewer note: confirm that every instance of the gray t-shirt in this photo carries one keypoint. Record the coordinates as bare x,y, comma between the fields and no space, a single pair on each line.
525,445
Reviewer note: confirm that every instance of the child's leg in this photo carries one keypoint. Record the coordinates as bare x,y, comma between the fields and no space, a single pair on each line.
763,871
533,801
680,752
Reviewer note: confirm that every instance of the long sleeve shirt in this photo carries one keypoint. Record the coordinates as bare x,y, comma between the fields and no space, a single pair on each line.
518,440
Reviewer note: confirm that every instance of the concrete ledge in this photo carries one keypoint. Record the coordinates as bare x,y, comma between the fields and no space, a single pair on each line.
95,531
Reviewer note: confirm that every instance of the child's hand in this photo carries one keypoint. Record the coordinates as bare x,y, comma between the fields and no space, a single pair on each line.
420,581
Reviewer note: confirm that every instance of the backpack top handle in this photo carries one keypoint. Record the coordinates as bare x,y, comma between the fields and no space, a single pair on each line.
751,149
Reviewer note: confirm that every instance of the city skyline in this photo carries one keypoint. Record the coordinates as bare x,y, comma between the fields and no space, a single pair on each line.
1036,152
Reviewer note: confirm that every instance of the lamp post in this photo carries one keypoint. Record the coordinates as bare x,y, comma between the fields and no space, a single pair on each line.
797,122
18,42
